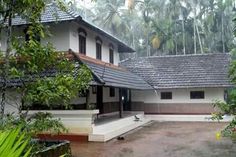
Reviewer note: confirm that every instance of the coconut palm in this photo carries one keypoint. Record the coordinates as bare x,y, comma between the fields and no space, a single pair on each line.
160,27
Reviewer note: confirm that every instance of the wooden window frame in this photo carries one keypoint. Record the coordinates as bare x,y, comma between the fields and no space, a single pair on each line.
94,89
98,48
111,54
200,95
166,96
112,92
82,41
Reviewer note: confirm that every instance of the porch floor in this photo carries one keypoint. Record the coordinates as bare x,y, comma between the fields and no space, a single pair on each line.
109,127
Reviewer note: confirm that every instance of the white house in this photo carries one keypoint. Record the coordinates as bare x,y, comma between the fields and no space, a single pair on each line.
172,84
95,47
111,85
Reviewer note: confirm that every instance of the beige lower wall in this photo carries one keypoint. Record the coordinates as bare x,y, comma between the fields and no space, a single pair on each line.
149,101
178,95
110,107
173,108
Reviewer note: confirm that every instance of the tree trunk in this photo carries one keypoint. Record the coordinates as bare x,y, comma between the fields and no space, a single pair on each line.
87,100
222,32
183,30
147,44
6,63
194,33
176,45
199,39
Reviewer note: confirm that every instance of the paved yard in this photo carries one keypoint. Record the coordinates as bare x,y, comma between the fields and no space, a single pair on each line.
163,139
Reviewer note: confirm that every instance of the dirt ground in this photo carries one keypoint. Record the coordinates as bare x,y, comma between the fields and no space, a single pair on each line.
163,139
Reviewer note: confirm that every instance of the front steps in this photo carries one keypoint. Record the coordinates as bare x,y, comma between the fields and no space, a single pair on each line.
108,131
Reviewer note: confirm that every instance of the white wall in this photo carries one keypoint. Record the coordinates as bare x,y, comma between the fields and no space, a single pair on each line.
59,36
13,100
178,95
93,97
106,95
82,100
64,36
91,43
3,40
18,32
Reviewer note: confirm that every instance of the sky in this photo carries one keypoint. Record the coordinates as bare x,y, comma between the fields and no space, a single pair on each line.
85,3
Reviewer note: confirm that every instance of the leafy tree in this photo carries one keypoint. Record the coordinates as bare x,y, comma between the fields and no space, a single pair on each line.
44,76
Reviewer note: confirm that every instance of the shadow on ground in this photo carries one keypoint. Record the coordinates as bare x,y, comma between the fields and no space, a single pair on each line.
163,139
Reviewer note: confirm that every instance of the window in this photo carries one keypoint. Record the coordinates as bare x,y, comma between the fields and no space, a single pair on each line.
82,41
98,48
111,54
166,95
197,95
112,92
94,89
226,95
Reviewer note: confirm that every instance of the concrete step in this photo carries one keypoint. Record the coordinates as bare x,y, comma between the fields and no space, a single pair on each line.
108,131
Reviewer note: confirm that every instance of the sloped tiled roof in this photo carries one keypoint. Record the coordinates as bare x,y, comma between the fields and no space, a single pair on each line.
114,76
189,71
53,13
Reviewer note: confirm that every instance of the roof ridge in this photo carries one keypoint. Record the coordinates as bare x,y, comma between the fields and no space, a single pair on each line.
68,9
72,11
187,55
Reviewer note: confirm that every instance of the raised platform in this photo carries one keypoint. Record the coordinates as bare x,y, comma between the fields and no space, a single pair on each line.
107,131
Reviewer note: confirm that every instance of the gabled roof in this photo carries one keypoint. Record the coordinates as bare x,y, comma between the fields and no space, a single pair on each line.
53,13
113,76
189,71
104,74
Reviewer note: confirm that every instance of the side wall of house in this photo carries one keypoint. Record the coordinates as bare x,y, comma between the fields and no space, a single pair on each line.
64,36
150,101
59,36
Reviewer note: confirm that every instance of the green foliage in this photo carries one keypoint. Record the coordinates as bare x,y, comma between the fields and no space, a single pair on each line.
33,62
14,143
57,90
44,122
36,123
228,107
172,20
